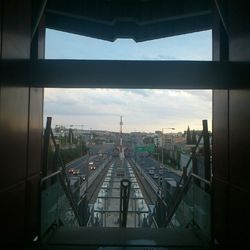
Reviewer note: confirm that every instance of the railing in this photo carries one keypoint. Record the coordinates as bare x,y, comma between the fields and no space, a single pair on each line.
58,206
192,207
190,182
191,203
207,173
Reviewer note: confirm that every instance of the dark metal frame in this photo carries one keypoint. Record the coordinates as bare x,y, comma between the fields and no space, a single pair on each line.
125,74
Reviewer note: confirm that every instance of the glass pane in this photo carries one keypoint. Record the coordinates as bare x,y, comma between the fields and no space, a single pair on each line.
194,211
55,206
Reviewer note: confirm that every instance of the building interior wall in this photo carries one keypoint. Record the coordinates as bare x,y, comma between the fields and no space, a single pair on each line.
21,112
231,135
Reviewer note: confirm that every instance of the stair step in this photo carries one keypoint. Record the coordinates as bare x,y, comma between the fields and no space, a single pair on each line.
123,238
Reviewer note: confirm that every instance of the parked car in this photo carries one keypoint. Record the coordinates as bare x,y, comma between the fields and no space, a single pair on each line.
161,171
151,171
156,176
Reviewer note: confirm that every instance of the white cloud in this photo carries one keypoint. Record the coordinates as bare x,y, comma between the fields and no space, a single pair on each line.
143,110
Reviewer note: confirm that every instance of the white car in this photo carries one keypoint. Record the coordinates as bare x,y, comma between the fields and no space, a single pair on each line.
156,176
92,165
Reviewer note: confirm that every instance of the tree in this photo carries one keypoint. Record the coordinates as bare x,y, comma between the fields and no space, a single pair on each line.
194,141
189,139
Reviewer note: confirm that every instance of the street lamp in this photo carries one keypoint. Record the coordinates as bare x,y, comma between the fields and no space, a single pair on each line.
81,126
162,142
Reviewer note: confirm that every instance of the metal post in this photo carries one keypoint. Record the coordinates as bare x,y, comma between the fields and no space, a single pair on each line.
162,146
87,179
206,153
124,201
194,166
81,144
46,146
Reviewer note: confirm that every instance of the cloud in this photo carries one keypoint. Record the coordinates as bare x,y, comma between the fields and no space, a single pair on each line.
146,109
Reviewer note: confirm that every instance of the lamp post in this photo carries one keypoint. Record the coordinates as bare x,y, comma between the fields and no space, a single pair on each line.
162,142
81,125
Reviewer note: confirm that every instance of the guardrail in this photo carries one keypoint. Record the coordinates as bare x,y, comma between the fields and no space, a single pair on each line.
146,177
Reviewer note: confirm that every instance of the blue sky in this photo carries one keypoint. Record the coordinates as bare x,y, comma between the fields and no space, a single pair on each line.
143,110
194,46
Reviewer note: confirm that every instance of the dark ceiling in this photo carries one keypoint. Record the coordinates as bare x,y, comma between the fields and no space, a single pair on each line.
140,20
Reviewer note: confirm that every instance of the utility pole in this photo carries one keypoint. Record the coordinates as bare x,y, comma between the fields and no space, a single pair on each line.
121,149
81,126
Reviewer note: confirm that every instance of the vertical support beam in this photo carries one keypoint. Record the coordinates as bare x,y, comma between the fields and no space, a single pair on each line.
46,146
206,153
121,149
124,201
220,32
38,12
194,166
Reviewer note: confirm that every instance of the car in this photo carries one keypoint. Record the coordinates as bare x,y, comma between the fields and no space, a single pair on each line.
161,171
92,165
71,170
156,176
151,171
83,177
76,171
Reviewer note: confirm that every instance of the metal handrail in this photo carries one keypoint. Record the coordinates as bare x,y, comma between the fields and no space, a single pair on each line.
180,195
201,179
50,176
66,189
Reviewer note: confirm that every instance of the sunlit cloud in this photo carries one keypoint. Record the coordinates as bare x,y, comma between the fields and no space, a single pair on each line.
150,111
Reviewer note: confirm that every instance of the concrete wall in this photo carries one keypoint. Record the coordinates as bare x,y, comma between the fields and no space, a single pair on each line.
21,110
231,132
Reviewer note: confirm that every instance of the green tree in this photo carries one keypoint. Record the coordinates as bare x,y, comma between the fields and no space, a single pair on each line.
193,140
189,139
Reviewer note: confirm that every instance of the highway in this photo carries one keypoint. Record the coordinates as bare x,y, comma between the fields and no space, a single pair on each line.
95,181
147,163
96,154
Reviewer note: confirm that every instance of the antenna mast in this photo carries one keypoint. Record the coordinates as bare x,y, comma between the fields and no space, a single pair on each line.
121,123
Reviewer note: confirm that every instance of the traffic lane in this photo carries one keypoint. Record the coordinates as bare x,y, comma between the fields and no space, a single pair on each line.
101,149
147,163
95,154
94,151
84,165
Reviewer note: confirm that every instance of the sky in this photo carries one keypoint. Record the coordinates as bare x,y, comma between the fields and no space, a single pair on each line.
142,109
